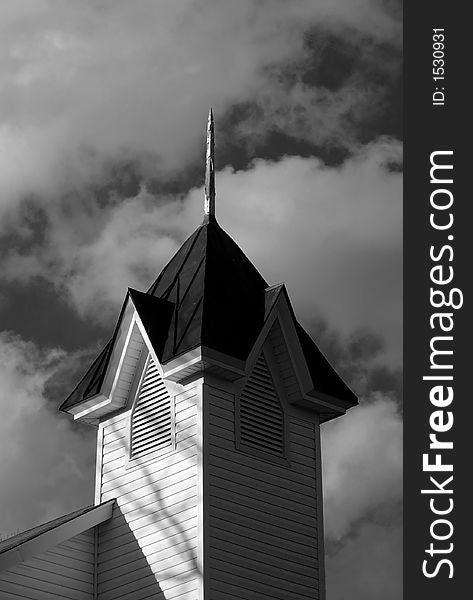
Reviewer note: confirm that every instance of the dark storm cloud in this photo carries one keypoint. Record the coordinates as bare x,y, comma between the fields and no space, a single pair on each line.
359,359
368,566
47,464
344,89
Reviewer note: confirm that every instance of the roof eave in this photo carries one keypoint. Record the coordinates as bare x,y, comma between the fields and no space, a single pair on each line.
56,535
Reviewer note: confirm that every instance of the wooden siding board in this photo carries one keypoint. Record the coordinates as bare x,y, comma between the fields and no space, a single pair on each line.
145,495
81,545
303,490
118,559
240,539
142,513
142,529
263,527
267,471
183,591
171,568
41,578
151,518
133,478
260,487
148,537
287,513
65,572
131,561
134,495
72,554
18,590
266,566
148,588
238,490
69,571
61,560
250,583
183,471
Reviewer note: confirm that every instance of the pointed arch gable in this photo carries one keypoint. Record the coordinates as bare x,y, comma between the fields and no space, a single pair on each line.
137,353
280,332
152,316
301,379
140,329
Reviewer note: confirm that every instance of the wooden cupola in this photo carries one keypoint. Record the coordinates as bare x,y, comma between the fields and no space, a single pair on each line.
208,400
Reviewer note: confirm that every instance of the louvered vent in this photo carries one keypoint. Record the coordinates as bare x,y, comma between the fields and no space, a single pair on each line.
151,420
261,417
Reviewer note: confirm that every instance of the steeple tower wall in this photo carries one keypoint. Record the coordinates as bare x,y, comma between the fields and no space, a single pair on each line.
263,513
231,508
150,547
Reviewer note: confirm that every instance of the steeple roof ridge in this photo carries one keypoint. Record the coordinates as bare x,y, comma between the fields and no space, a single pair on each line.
217,293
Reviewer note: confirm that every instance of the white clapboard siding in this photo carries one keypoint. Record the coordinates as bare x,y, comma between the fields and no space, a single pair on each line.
260,414
262,514
64,572
152,416
148,549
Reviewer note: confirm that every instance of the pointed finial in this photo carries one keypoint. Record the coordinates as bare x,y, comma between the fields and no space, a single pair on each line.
209,201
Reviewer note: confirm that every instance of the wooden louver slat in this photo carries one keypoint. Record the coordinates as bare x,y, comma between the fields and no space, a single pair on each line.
261,416
151,419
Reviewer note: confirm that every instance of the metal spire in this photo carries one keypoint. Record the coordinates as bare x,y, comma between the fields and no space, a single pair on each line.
209,201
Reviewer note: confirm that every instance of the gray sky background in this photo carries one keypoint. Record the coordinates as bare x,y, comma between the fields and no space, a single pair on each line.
102,121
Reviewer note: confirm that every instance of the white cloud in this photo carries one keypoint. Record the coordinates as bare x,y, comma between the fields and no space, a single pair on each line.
362,464
86,83
46,467
333,234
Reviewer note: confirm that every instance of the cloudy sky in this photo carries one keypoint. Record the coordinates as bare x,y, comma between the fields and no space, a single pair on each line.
103,109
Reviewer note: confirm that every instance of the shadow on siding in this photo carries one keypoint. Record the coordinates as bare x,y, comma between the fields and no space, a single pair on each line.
124,571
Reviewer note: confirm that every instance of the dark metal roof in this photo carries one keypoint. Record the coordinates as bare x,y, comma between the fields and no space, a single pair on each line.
324,377
91,382
210,294
217,293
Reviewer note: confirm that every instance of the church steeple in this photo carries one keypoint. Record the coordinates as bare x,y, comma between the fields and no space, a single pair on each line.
208,401
209,199
210,298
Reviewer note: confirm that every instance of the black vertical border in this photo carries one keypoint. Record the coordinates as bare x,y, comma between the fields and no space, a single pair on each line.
429,128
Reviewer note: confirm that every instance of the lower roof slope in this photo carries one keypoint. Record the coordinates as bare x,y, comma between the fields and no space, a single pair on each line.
25,536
